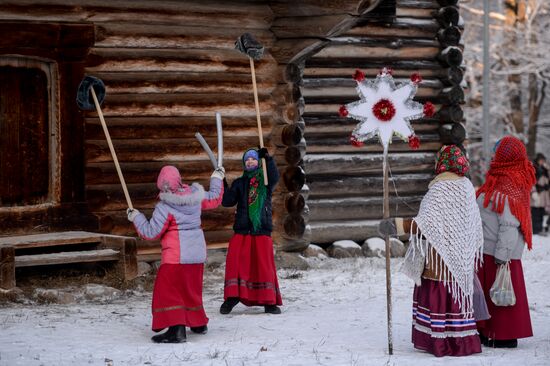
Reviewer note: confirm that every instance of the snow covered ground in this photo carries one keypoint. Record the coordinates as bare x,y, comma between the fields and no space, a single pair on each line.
334,314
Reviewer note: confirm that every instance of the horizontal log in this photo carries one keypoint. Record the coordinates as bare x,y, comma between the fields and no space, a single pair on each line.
325,232
143,35
116,222
372,146
454,76
46,35
386,42
368,164
423,4
330,186
147,171
295,154
360,208
314,8
328,124
134,150
66,257
183,82
311,26
176,60
377,52
189,103
353,63
433,71
194,13
400,27
317,85
293,72
414,12
287,51
156,127
447,2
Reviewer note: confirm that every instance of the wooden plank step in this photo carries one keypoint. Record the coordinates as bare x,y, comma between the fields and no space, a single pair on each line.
328,231
50,239
101,255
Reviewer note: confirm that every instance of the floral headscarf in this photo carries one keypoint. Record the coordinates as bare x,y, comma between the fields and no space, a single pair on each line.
450,158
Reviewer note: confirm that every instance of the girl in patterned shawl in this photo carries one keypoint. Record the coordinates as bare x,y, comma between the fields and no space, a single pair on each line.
250,273
444,251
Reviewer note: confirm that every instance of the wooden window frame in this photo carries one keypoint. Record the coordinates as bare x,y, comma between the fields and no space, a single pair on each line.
49,67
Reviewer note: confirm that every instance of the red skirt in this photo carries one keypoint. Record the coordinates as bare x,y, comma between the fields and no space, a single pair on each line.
506,322
439,325
250,272
177,296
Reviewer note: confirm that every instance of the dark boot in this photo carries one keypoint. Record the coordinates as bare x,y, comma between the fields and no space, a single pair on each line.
174,334
200,330
506,343
484,340
272,309
228,305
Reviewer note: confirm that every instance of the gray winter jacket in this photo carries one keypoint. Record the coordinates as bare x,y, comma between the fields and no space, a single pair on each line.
501,232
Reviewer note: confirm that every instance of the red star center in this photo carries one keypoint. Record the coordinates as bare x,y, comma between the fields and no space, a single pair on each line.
384,110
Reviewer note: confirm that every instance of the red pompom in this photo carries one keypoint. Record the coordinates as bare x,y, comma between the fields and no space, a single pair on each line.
429,109
343,111
359,75
416,78
384,110
353,140
414,142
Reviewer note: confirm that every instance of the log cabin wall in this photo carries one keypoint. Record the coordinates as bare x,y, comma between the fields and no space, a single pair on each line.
345,182
168,66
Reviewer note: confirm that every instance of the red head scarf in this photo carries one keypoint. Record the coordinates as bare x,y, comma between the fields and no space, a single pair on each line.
511,176
450,158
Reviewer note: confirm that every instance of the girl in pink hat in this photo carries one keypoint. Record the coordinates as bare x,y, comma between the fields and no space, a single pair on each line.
176,221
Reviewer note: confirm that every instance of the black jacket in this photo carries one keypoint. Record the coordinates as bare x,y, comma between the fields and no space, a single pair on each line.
238,195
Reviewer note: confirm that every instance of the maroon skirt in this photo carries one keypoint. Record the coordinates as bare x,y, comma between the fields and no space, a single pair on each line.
177,296
439,326
250,272
506,322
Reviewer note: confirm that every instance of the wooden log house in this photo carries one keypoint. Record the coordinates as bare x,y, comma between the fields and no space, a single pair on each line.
168,66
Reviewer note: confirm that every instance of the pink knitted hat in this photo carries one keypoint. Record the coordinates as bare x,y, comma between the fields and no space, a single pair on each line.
169,179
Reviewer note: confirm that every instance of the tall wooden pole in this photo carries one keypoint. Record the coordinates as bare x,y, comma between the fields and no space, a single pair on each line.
112,149
258,119
385,215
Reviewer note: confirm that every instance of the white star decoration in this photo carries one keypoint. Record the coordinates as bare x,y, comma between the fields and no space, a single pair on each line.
384,108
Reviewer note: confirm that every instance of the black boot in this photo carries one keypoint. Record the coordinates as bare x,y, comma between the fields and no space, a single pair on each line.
272,309
174,334
506,343
200,330
484,340
228,305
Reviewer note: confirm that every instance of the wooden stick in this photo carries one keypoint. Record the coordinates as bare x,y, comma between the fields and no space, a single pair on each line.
110,143
257,103
386,214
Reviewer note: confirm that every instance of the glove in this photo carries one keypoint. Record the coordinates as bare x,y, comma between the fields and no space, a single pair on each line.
499,262
387,227
132,214
219,173
262,153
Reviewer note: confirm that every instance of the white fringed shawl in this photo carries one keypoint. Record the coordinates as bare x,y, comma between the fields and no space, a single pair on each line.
449,222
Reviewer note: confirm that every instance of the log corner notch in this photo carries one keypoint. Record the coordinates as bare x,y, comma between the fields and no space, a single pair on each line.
449,36
302,28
